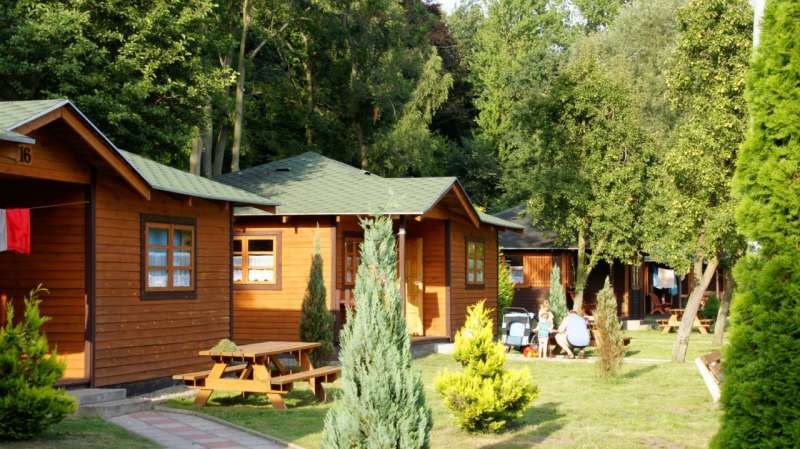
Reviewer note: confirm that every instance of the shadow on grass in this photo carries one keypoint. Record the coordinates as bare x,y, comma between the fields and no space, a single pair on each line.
540,422
634,373
629,353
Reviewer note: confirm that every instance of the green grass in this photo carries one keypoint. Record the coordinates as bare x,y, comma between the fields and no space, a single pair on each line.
84,433
649,406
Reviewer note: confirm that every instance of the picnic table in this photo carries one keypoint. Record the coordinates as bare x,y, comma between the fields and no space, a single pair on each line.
258,370
674,321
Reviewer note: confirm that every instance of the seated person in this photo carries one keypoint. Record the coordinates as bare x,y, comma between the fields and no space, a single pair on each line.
572,333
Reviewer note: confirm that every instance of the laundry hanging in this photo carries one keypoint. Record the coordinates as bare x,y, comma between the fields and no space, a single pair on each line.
15,230
666,278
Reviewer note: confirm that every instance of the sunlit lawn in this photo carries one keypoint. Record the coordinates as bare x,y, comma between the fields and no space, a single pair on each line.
84,433
651,406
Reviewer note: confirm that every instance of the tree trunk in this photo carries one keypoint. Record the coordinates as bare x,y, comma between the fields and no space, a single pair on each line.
238,111
207,135
309,92
690,312
724,307
219,149
195,159
581,273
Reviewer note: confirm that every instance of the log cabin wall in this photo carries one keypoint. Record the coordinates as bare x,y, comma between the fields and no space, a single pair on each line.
57,261
463,295
537,268
140,339
274,313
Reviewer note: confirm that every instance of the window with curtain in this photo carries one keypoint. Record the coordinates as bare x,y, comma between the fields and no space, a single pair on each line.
516,269
475,262
351,259
169,262
255,260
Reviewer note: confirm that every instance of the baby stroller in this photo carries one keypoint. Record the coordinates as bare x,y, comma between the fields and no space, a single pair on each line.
517,328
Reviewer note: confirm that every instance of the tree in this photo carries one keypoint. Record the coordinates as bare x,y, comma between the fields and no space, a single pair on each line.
484,396
505,286
599,14
383,400
133,67
761,387
316,321
690,221
608,331
29,401
556,296
724,306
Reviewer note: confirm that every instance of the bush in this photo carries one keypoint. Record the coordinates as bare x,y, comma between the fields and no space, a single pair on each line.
505,286
608,331
557,297
711,309
484,396
316,321
761,363
29,403
383,402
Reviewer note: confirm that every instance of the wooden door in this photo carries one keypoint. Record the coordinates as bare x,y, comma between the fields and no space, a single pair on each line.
414,286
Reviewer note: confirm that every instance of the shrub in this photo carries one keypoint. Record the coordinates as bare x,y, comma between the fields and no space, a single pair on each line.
29,402
505,287
316,321
484,396
608,331
711,309
557,297
383,402
761,363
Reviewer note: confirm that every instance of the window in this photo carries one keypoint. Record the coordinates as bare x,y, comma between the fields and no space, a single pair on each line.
256,260
351,259
168,257
516,268
475,262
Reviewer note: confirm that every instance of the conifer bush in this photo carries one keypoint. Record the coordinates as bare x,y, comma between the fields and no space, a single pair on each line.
316,321
608,331
484,396
761,386
505,286
382,405
557,297
29,402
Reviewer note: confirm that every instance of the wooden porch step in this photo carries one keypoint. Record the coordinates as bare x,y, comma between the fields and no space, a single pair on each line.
197,378
329,373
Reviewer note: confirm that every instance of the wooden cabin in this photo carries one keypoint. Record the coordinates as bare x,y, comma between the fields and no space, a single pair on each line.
136,255
531,254
447,249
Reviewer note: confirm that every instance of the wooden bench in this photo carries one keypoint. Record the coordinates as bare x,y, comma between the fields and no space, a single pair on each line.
315,378
710,367
197,379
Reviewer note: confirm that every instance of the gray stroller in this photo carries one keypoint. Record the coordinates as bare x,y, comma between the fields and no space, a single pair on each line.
517,328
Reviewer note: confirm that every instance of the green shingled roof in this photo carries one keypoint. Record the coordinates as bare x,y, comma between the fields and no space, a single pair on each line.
14,114
312,184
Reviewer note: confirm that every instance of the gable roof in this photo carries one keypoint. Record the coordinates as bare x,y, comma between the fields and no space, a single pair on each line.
16,114
312,184
529,238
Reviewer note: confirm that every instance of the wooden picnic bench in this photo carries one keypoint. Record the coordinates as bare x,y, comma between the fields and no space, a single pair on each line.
260,371
710,367
674,321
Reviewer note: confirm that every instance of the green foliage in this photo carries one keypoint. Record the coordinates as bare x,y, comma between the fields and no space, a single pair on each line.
383,402
505,286
29,403
608,331
556,296
710,309
316,321
599,13
761,387
225,345
484,396
133,67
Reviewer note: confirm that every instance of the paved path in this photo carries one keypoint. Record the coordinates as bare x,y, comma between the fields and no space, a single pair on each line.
179,431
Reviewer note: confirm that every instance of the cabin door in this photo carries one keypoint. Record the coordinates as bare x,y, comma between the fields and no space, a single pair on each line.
414,286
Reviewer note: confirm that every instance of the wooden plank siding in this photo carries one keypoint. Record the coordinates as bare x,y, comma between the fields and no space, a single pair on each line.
274,314
57,260
462,296
140,339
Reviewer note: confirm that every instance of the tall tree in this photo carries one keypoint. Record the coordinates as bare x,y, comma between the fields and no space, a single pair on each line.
383,402
690,219
761,387
316,321
133,67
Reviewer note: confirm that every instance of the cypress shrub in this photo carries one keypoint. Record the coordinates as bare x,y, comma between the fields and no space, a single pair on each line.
316,321
29,403
761,387
505,287
608,331
556,296
382,405
484,396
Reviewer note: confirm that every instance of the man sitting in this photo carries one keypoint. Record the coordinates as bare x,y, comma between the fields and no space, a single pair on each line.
572,333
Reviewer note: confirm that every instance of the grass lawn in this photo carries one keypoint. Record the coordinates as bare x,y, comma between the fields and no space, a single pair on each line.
649,406
84,433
